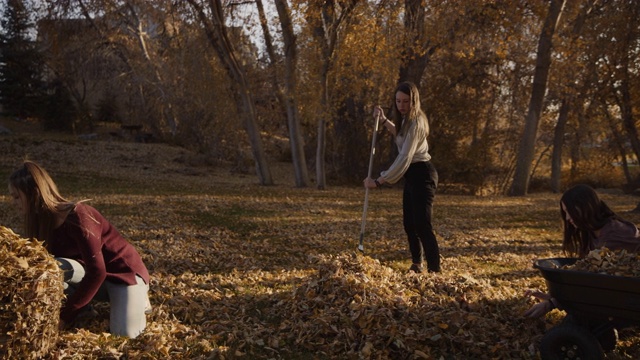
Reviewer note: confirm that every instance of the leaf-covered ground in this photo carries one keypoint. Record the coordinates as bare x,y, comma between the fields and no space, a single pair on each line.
245,271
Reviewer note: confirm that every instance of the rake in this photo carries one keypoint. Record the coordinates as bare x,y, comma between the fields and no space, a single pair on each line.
366,189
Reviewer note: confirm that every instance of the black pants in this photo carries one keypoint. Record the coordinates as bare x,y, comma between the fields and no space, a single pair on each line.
421,181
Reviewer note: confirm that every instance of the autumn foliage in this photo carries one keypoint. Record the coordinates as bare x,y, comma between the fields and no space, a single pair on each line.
298,83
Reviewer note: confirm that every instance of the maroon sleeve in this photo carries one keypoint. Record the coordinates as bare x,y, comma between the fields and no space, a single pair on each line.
619,235
87,237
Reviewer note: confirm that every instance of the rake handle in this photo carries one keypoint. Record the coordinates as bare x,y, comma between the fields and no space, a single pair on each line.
366,189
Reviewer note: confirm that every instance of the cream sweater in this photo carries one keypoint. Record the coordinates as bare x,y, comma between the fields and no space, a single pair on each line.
412,148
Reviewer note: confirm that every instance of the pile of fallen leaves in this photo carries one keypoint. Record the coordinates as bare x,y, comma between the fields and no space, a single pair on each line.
610,262
356,307
31,284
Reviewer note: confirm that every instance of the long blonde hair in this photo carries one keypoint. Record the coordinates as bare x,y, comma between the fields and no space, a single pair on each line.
44,204
415,113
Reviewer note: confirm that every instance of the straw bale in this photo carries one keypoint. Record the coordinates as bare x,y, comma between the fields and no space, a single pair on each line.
31,297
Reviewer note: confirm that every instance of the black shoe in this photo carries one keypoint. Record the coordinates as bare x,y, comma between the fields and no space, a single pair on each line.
416,268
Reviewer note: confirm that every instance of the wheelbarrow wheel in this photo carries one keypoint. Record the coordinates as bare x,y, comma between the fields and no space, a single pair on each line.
570,341
604,331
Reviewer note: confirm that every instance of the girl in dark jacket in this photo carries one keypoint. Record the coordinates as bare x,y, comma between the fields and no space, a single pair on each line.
588,224
96,260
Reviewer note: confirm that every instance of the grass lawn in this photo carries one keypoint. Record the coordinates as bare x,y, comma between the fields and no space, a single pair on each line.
246,271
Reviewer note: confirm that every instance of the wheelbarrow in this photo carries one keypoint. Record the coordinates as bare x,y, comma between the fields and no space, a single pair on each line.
596,305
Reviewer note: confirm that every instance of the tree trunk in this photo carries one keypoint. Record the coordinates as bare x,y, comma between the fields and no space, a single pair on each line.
569,99
321,173
326,34
291,103
165,102
216,30
623,81
558,142
526,148
626,109
415,62
326,31
287,96
619,143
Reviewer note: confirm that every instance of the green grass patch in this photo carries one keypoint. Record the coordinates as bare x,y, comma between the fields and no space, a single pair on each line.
236,219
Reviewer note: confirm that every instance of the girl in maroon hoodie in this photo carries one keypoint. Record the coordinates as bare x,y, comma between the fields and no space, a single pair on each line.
96,260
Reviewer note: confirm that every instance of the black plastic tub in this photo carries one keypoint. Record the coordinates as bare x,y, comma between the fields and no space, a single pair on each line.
589,294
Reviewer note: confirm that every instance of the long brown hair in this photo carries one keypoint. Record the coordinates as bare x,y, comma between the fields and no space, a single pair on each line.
44,204
588,212
415,113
